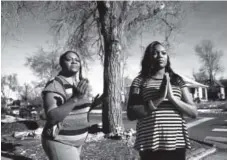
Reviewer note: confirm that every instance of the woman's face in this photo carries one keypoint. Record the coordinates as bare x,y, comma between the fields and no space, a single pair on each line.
71,62
159,56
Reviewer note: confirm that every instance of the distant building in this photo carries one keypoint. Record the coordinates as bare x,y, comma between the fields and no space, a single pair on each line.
215,91
198,90
224,83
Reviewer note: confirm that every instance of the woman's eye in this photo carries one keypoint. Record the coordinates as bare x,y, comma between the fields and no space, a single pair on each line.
155,54
68,59
163,53
71,59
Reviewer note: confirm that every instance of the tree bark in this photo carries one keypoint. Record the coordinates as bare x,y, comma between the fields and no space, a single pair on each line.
112,111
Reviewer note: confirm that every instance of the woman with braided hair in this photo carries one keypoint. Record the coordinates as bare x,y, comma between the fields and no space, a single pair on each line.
66,106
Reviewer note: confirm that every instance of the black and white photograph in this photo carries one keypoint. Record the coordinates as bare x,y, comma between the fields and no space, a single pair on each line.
113,80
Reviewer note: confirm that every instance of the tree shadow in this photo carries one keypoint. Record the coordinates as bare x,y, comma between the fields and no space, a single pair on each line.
8,149
14,157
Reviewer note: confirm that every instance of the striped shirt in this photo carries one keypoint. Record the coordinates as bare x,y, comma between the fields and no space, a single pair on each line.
74,128
164,128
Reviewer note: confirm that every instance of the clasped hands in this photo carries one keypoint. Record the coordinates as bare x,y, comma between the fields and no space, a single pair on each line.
166,91
80,91
81,88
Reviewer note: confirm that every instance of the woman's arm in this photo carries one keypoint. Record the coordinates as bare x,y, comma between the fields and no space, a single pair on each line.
57,113
187,106
142,108
135,109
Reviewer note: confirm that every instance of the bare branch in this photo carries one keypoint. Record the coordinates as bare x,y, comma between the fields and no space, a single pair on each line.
124,11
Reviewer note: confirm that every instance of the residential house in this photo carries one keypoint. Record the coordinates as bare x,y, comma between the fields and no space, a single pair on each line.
224,83
198,90
216,91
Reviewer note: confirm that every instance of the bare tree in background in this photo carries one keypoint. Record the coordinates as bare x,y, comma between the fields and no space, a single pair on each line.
11,14
8,82
200,76
44,64
210,59
107,28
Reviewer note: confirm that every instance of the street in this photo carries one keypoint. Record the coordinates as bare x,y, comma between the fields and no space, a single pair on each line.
212,131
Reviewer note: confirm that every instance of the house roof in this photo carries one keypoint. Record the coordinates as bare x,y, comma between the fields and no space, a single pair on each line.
216,83
192,83
224,82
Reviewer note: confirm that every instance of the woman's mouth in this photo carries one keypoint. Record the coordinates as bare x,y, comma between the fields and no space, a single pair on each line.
161,61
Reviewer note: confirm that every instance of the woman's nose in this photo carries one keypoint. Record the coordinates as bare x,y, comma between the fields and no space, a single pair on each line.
160,54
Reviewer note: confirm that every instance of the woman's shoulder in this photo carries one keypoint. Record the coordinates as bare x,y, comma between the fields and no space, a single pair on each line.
137,80
55,85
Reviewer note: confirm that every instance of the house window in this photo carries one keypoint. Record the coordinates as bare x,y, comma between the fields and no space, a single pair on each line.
203,93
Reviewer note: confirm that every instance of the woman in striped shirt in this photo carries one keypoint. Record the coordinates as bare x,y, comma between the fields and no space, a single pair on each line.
158,99
66,107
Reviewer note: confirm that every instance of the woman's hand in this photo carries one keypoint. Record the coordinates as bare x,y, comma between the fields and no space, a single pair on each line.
164,87
81,88
170,95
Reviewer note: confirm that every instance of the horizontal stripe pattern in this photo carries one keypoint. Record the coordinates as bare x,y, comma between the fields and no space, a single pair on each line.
164,128
74,128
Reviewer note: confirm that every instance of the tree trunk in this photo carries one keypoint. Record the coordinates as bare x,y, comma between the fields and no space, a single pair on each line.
112,111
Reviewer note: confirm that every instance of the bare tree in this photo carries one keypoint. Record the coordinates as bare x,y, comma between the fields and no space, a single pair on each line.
30,94
200,76
107,28
210,60
44,64
110,27
8,83
12,13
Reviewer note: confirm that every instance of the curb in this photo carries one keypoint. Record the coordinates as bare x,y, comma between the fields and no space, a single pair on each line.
218,144
202,154
216,139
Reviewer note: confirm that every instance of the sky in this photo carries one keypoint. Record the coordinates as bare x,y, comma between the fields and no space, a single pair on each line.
208,21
